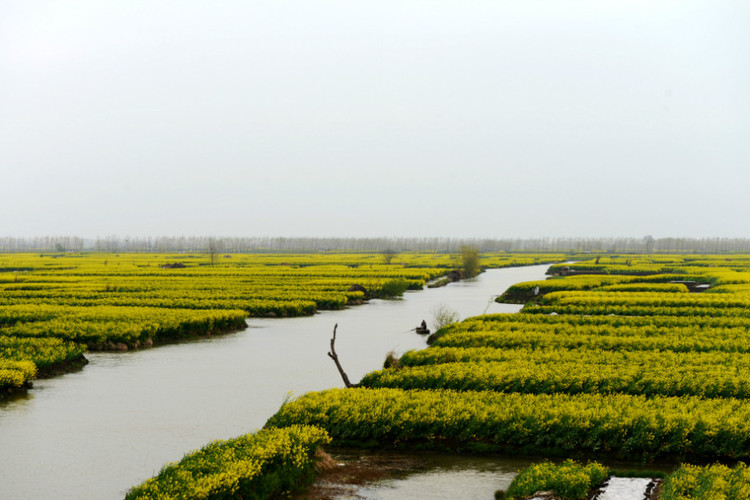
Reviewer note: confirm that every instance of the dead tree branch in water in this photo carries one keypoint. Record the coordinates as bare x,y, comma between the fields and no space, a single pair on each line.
332,354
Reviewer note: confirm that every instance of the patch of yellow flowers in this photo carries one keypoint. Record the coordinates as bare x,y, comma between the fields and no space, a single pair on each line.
261,465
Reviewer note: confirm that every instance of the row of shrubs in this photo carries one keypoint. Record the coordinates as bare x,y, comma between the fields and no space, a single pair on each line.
257,466
571,480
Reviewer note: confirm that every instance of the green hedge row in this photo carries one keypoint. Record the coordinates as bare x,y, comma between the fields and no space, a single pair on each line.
256,466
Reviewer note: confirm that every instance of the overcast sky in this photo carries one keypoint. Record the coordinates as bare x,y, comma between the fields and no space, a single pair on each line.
375,118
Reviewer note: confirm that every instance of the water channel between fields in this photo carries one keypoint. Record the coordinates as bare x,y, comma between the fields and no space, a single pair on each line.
93,434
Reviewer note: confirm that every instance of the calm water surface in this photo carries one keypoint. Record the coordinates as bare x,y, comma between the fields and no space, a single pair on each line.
92,435
444,476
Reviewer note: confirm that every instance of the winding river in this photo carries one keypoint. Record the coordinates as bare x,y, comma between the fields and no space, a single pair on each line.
93,434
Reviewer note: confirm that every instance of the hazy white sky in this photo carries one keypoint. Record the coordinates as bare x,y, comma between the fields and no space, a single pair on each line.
375,118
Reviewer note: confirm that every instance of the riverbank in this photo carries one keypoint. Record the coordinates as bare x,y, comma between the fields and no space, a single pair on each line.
61,368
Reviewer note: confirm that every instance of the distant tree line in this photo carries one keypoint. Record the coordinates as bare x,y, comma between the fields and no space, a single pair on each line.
214,245
42,244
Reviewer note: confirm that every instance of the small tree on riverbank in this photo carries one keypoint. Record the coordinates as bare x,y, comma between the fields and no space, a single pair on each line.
470,260
443,316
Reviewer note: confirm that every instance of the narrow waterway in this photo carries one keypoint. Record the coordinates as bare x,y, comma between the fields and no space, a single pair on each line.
93,434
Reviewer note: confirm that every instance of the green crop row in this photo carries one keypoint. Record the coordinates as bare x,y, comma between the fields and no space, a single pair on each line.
639,310
711,482
650,299
491,321
77,295
569,480
437,355
16,374
520,293
730,340
267,464
583,375
644,266
630,426
21,359
257,307
591,329
43,352
160,325
43,312
646,287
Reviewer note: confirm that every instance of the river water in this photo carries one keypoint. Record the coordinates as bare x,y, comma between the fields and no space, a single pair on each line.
93,434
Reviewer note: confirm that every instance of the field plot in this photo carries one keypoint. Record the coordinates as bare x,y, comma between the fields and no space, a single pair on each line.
53,307
645,360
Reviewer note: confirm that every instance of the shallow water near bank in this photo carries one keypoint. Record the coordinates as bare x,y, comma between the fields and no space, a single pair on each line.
95,433
432,476
625,488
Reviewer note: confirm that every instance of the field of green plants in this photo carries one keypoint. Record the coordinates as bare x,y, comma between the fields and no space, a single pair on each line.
640,358
708,482
627,363
266,464
53,307
571,480
568,480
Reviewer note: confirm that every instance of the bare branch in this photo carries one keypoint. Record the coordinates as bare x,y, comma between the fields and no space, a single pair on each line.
332,354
